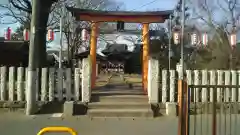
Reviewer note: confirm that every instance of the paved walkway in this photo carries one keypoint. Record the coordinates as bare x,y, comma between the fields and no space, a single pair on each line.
118,82
19,124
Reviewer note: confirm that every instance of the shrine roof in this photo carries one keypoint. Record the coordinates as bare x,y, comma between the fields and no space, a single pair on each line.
126,16
86,53
119,13
14,46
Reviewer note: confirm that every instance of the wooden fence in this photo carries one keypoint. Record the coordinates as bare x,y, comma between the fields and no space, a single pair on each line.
168,85
13,84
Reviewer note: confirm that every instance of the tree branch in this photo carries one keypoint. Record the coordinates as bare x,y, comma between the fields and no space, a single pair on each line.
18,5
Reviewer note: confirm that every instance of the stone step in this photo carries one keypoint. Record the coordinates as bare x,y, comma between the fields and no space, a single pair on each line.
120,98
120,113
118,105
117,92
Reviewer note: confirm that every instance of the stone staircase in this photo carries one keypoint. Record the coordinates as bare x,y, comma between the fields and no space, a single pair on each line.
118,99
119,104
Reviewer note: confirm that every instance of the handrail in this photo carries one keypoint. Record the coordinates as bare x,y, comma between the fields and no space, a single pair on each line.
57,129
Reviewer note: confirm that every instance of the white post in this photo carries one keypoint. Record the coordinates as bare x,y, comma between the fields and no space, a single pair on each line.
77,84
164,86
37,84
227,90
25,79
234,82
20,91
179,70
190,82
60,84
196,82
204,82
69,84
238,84
31,92
153,79
86,79
219,82
44,80
11,83
51,84
212,82
3,90
172,85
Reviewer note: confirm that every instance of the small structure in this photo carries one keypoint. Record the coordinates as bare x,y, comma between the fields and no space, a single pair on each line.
117,55
14,53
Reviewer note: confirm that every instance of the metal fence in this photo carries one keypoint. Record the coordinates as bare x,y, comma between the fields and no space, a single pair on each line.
216,117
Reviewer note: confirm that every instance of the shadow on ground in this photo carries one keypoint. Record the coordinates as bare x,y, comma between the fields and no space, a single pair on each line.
80,109
57,107
51,107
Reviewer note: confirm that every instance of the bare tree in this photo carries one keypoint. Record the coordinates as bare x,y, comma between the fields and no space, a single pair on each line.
217,13
221,17
20,11
72,28
51,10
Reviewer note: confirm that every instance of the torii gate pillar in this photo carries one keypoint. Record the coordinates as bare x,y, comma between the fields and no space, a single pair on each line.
145,37
93,49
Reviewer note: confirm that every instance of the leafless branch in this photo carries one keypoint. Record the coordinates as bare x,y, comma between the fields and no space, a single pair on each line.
23,5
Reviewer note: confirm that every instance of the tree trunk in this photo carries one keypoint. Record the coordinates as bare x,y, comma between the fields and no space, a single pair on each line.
71,53
41,53
41,39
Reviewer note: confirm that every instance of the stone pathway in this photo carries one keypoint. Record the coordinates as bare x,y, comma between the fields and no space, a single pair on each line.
16,124
19,124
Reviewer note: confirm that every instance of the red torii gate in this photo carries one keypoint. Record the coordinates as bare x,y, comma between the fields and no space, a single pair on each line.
96,17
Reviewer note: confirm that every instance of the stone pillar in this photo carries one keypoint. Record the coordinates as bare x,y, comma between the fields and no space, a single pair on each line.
219,82
238,75
227,77
3,83
212,82
204,82
11,83
20,84
172,88
234,83
164,85
179,69
153,79
197,82
86,79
